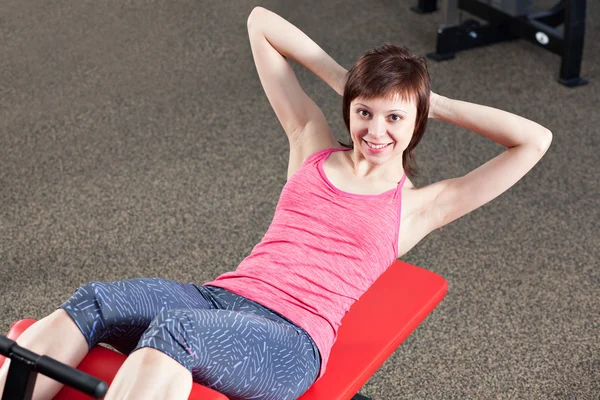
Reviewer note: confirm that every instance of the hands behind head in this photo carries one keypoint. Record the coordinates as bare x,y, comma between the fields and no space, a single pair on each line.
433,103
341,82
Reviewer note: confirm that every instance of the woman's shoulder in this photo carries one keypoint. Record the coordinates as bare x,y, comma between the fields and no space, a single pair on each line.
310,144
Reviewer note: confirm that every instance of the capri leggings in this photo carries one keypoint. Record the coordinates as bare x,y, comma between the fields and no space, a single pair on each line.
229,343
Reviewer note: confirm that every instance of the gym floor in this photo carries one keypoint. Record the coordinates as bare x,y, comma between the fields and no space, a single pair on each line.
136,141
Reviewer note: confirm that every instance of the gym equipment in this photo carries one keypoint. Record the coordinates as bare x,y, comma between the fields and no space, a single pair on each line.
509,20
25,364
425,6
376,324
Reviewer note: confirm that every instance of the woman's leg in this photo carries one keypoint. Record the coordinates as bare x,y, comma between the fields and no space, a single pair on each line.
150,374
237,353
116,313
55,336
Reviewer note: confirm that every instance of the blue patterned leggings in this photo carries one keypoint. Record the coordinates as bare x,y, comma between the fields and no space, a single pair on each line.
229,343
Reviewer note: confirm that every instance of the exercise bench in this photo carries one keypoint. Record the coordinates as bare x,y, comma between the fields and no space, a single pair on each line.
509,20
371,331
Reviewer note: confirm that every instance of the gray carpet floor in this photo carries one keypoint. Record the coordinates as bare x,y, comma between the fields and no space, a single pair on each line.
136,141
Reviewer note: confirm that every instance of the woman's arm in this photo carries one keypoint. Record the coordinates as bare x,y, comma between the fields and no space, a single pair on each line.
294,44
526,143
502,127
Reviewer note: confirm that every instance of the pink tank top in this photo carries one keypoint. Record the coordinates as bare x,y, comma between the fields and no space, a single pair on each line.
322,251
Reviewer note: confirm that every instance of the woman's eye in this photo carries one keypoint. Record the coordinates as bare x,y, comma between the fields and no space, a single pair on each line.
365,113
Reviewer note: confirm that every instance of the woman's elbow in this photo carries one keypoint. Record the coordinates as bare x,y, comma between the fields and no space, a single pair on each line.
254,15
545,140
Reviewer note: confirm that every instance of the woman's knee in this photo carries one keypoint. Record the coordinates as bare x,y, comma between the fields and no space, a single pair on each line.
119,312
104,313
84,310
172,332
83,296
177,325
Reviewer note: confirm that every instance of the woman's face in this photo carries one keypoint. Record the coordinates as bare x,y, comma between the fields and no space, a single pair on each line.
389,122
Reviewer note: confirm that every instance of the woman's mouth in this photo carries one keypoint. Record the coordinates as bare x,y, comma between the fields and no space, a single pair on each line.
375,148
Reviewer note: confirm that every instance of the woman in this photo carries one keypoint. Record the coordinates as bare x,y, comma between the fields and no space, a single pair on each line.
346,213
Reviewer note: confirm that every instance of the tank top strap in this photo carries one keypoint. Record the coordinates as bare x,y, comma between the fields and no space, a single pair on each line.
320,154
401,183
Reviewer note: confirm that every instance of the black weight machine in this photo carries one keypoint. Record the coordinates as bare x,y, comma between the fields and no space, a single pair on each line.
24,366
509,20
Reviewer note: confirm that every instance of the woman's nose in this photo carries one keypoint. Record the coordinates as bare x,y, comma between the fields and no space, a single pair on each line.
377,129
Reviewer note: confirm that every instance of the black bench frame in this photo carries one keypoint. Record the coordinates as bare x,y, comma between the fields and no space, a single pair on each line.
25,365
538,28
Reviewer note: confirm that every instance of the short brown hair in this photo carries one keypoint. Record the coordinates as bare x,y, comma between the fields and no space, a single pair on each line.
387,71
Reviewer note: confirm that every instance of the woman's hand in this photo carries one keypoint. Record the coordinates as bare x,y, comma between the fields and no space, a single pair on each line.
341,81
434,100
293,44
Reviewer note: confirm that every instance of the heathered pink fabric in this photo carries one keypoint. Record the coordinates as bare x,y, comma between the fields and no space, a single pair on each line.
322,251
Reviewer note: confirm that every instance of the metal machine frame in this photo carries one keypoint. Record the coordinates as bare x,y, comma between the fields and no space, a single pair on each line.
538,28
25,365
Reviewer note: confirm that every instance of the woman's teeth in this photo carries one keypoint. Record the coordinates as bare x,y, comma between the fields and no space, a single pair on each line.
376,147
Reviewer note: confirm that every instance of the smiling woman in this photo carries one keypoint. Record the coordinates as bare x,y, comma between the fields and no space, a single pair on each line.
266,329
384,77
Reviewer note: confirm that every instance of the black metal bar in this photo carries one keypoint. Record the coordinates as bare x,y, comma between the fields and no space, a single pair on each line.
25,364
21,376
552,17
20,380
515,27
541,35
425,6
446,45
453,39
573,44
359,396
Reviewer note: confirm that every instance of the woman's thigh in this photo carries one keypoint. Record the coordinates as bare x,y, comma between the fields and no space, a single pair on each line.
238,353
118,313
